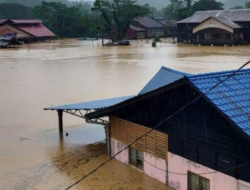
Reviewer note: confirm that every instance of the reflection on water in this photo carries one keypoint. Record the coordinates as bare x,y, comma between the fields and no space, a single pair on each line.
69,71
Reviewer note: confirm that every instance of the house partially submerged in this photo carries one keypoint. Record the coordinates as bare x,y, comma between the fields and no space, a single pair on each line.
151,26
9,41
27,30
204,146
219,27
136,33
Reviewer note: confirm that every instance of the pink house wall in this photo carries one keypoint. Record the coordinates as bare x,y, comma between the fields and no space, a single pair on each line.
117,146
218,181
155,167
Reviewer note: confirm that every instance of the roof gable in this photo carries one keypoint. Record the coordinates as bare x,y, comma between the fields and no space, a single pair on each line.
232,97
162,78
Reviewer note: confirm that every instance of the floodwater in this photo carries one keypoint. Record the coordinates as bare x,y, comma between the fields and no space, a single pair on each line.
32,154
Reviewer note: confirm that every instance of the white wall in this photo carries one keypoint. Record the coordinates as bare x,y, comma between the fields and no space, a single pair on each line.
117,146
218,181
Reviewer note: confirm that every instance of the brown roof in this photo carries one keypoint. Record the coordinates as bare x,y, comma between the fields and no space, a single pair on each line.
148,22
236,15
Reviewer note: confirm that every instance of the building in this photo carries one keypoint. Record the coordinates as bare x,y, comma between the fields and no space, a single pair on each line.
151,26
28,30
220,27
204,146
136,33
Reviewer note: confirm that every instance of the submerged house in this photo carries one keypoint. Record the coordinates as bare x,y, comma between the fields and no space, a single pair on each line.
219,27
202,146
151,26
27,30
135,33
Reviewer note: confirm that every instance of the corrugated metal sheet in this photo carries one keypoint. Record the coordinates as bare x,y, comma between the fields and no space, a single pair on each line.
92,105
164,77
232,97
148,22
238,15
29,21
227,22
37,30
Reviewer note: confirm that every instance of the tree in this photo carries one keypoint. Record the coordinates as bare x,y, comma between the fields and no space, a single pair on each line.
117,16
204,5
247,5
238,7
178,9
58,17
21,12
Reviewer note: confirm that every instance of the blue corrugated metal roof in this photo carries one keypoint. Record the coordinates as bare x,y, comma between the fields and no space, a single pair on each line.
164,77
232,97
92,105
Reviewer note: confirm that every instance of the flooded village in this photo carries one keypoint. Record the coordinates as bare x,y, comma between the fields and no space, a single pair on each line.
68,105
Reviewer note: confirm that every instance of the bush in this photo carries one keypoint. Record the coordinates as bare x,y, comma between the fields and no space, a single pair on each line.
153,44
157,39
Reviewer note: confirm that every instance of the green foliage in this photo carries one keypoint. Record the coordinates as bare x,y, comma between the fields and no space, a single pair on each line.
153,44
238,7
203,5
64,21
157,39
15,11
247,5
180,9
117,16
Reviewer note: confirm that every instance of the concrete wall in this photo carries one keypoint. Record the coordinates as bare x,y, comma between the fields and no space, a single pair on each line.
218,181
155,167
117,146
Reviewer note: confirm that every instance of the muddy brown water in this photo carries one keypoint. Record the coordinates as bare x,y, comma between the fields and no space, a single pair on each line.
32,155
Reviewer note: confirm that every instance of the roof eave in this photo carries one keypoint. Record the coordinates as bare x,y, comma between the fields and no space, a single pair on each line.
106,111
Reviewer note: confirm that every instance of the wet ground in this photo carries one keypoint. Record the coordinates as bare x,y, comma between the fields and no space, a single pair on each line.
32,155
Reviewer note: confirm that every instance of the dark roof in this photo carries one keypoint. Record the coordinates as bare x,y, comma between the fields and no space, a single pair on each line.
92,105
232,97
236,15
30,21
137,28
148,22
162,78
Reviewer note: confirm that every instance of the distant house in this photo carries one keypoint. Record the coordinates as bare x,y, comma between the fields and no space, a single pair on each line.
204,146
220,27
152,27
169,25
136,33
26,29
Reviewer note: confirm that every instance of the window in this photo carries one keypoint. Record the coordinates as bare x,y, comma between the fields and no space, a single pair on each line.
196,182
136,158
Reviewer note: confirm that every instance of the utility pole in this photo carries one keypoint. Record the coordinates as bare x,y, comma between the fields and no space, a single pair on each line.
189,3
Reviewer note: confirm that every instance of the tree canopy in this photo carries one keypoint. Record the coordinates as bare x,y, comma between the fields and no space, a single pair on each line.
20,11
117,16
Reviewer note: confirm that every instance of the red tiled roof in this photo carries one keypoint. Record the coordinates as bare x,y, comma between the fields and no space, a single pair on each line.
38,30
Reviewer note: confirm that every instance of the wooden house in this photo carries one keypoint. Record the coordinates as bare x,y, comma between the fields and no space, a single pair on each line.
223,27
182,131
152,27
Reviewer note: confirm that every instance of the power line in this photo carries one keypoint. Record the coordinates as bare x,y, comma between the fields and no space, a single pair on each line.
174,114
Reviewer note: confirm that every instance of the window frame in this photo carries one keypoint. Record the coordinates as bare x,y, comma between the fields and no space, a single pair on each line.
199,178
135,164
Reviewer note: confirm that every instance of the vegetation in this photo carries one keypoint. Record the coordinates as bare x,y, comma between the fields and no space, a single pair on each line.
117,16
20,11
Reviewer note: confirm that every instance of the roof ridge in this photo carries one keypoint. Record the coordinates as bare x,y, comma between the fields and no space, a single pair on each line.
175,71
220,73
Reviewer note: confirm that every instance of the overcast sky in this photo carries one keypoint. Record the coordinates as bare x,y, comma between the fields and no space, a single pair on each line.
163,3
